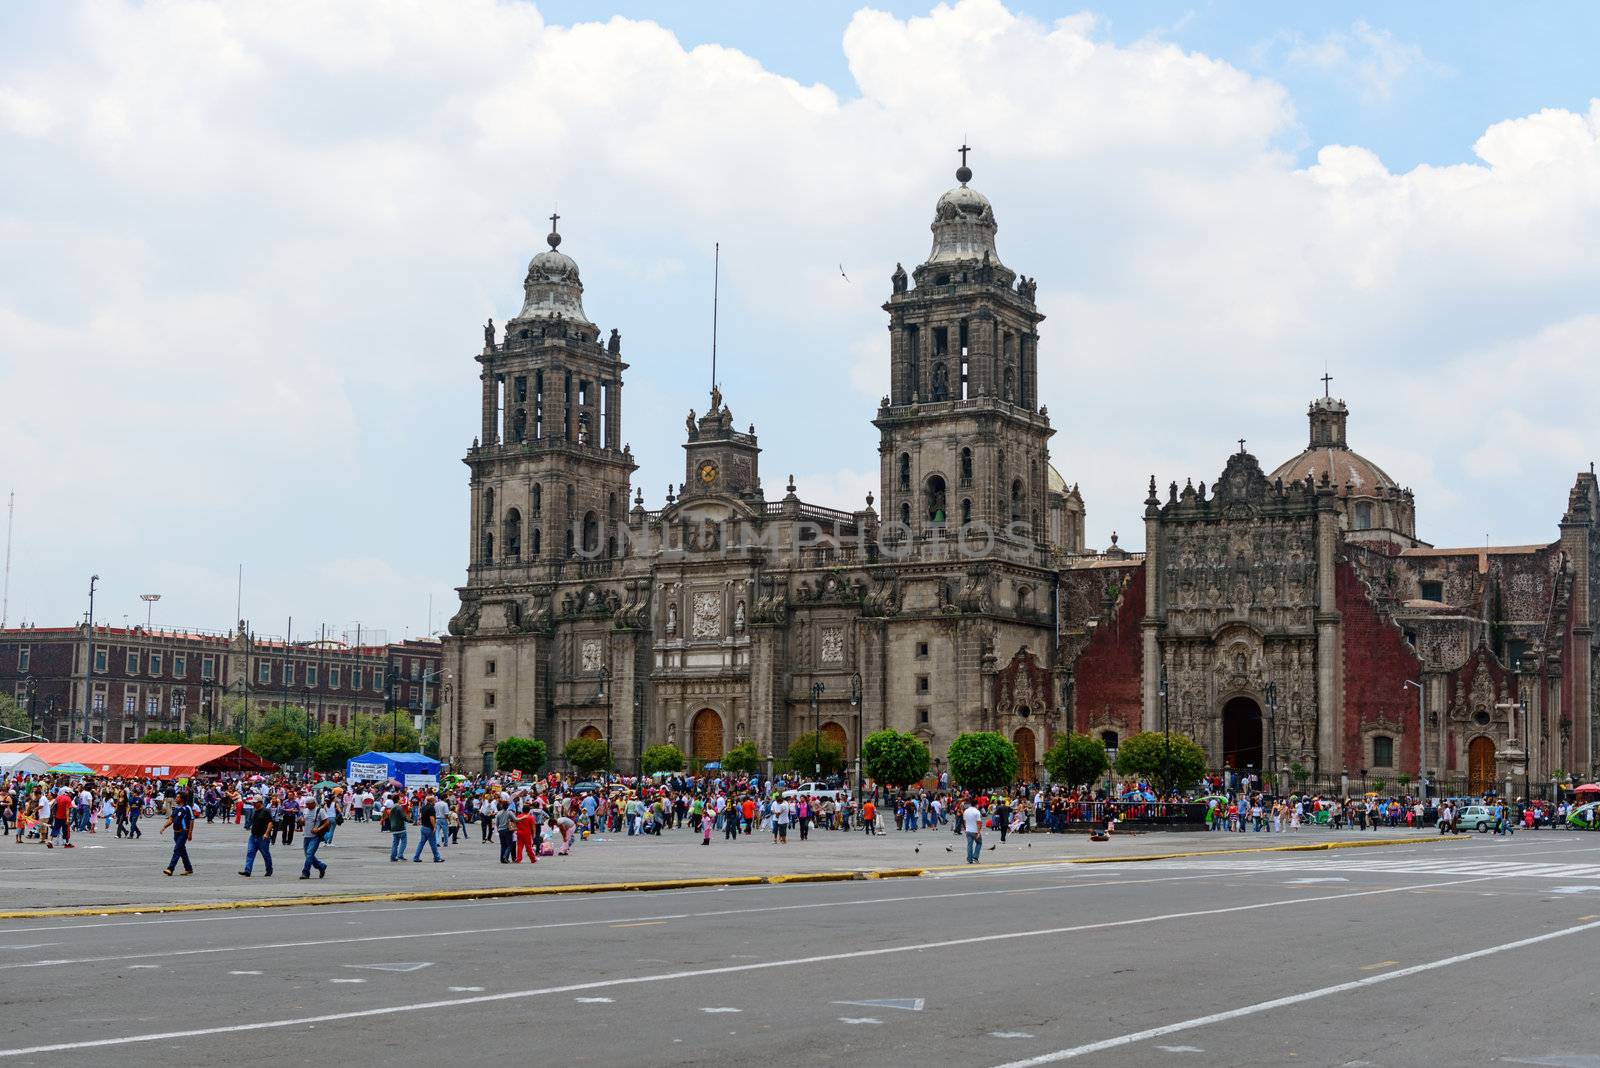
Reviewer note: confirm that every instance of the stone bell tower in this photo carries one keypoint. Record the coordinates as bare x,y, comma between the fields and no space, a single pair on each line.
963,438
550,473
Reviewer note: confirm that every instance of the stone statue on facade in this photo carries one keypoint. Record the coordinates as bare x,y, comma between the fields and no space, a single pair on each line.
614,346
488,334
672,621
897,280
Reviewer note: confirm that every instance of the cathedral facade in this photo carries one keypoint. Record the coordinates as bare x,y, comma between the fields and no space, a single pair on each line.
1283,620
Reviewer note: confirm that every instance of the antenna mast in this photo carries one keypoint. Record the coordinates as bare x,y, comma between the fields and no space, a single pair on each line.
5,590
716,289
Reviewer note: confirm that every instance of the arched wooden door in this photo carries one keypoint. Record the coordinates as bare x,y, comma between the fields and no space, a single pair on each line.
706,730
1026,753
832,732
1480,765
591,732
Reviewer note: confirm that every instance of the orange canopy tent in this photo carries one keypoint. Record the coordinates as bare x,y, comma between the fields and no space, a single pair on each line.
165,761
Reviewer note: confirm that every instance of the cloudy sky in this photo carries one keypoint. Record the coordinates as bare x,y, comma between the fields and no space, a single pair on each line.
249,246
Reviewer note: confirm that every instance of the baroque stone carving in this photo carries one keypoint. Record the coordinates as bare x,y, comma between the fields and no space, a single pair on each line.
706,621
592,660
832,642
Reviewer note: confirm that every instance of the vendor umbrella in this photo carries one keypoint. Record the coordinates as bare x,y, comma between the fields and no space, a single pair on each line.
1586,788
72,767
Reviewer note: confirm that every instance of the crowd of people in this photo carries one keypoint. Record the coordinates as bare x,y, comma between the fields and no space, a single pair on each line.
548,816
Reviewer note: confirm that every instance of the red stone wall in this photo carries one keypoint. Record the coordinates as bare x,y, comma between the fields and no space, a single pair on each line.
1377,662
1108,671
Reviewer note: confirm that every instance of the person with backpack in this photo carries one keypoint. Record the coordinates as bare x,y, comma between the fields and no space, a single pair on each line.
318,824
427,829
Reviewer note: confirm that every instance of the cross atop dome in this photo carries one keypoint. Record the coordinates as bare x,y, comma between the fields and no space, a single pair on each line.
963,172
554,237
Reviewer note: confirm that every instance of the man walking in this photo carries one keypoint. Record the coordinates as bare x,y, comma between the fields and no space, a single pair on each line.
61,819
972,820
318,824
261,830
503,817
427,830
394,821
181,820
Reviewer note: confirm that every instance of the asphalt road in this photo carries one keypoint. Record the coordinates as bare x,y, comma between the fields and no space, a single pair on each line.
1475,953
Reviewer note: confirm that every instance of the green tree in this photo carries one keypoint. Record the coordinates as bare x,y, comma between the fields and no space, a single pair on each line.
331,747
588,755
982,759
289,717
385,733
526,755
279,743
894,759
163,737
430,740
742,759
215,738
808,751
12,714
661,758
1076,759
1147,756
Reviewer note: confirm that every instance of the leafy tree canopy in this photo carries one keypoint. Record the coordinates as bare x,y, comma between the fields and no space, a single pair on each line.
982,759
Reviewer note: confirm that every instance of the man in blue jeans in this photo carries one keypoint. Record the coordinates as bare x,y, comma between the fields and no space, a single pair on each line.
394,821
427,830
182,823
972,820
261,830
317,824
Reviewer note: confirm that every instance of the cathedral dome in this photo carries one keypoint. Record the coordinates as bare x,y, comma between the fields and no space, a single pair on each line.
963,225
1344,466
552,287
1368,498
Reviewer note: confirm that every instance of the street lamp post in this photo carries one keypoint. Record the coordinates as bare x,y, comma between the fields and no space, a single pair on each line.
31,690
1422,737
88,675
208,698
1272,734
1068,684
391,695
816,739
1166,730
855,703
600,695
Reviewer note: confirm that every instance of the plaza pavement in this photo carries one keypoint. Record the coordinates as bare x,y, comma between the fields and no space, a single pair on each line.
102,871
1476,953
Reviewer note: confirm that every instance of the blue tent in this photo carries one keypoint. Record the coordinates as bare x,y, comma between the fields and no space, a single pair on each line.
409,769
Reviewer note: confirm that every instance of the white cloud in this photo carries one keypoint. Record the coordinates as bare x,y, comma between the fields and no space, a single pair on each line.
249,248
1370,60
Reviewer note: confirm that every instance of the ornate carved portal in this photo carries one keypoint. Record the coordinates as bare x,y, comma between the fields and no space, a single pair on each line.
1480,765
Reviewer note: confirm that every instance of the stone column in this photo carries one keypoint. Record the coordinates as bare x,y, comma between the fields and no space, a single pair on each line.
490,402
1330,650
1150,685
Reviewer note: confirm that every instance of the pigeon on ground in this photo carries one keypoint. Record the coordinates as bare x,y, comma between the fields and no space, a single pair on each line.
991,849
949,849
918,849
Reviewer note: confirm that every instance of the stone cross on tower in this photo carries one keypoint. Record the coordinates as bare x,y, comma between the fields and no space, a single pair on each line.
1326,378
1241,445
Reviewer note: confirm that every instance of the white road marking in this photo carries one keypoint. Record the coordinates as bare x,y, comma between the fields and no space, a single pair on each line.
721,1008
398,966
1574,889
346,980
151,967
1180,1049
727,969
1294,999
464,989
907,1004
593,1001
859,1020
1009,1034
519,928
1317,879
244,973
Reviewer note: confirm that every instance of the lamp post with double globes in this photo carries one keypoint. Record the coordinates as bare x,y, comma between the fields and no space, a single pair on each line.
816,713
855,703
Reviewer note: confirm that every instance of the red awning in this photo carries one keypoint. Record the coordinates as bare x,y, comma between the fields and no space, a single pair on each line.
165,761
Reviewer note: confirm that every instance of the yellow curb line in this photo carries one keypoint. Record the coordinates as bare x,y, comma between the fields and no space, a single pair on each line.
1140,858
674,884
460,895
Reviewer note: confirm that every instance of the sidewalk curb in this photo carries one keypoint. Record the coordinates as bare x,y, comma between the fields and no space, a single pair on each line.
677,884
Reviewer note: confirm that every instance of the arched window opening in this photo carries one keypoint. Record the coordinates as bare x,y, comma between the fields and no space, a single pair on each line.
935,498
966,467
591,532
966,510
1363,516
535,546
905,515
511,535
1016,500
519,425
905,471
538,499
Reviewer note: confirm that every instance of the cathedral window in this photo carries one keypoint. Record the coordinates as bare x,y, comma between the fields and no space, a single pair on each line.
511,535
922,717
1016,500
538,499
941,382
570,540
905,471
591,532
966,467
923,685
1433,591
922,650
536,539
966,511
936,499
905,516
1382,751
519,425
1363,516
941,340
1110,739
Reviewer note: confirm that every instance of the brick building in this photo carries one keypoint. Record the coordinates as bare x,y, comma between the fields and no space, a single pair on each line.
148,679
